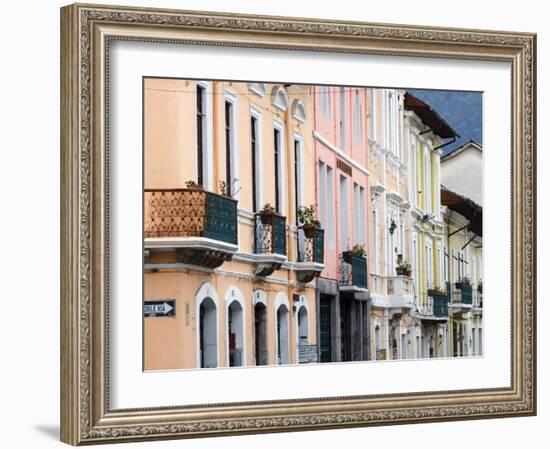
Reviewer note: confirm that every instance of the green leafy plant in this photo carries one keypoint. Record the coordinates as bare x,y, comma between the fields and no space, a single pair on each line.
268,209
306,216
403,268
437,290
359,250
192,185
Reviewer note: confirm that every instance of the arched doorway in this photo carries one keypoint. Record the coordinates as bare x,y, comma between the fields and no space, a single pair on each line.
260,334
303,330
208,335
282,335
394,354
235,334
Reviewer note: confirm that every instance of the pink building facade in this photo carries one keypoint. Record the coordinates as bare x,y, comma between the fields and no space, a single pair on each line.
342,187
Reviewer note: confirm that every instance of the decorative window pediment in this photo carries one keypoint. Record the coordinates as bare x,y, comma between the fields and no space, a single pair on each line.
258,88
279,98
299,110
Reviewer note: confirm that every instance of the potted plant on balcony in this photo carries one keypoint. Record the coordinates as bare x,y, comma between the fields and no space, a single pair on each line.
192,185
403,268
465,281
267,213
436,291
309,224
357,251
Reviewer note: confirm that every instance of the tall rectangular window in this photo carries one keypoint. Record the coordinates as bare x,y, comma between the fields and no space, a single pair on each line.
372,114
326,202
375,240
324,101
445,265
356,229
228,142
276,156
201,129
414,188
362,216
357,118
297,176
344,235
323,194
330,200
359,220
254,151
343,118
427,186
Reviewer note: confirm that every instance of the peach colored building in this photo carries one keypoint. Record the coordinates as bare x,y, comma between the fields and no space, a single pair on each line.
343,196
227,166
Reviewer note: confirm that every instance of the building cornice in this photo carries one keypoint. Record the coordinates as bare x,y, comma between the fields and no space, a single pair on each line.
340,153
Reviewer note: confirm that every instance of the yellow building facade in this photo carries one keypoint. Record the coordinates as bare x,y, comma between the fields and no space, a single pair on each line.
425,132
226,168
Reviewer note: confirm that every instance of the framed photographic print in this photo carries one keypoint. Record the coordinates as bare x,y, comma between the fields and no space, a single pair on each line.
282,224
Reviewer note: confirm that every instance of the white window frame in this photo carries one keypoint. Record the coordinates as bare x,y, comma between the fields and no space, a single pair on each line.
357,119
206,290
208,155
299,183
234,294
257,114
282,166
230,97
343,208
331,217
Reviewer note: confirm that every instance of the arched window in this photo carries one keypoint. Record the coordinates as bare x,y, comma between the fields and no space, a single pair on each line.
282,329
282,335
260,328
235,327
208,335
378,342
303,328
206,307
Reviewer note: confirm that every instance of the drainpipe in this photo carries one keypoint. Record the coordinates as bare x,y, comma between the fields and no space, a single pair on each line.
445,144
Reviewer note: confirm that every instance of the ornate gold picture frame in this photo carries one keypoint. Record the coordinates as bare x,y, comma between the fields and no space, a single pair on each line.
87,31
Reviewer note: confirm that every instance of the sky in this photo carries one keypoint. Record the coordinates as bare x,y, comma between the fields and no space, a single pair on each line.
462,110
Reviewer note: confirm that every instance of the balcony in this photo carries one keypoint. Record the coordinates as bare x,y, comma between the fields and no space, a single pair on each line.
461,297
477,302
269,242
400,291
311,253
201,226
353,272
440,305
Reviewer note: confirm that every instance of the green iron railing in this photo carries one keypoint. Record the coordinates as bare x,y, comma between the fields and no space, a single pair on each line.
190,213
311,245
270,233
357,276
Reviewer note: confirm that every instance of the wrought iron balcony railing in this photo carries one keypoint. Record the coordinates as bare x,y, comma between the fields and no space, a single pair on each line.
462,293
311,245
311,253
353,270
200,226
190,213
269,233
